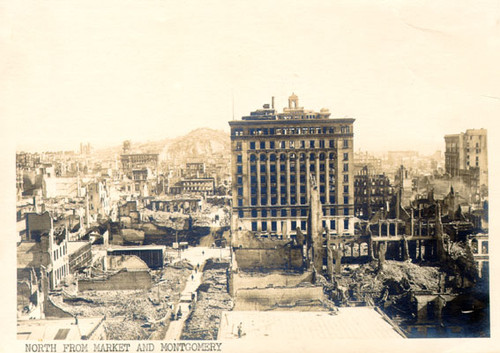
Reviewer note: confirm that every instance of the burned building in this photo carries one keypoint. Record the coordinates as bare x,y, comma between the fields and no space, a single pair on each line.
139,161
194,170
46,249
371,192
276,156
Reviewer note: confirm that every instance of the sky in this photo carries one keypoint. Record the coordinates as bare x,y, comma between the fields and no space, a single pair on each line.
106,71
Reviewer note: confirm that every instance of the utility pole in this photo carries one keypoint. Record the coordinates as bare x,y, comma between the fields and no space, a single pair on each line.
178,245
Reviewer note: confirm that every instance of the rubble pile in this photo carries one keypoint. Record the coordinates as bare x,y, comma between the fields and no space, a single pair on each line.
125,330
461,260
130,314
365,283
213,298
174,220
410,276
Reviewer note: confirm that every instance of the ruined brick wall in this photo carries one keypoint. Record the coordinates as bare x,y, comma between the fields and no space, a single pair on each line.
246,281
269,259
268,298
123,280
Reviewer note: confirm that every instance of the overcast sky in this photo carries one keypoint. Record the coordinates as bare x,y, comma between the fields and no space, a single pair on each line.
105,71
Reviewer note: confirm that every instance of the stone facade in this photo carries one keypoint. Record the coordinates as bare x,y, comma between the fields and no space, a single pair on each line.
467,156
276,157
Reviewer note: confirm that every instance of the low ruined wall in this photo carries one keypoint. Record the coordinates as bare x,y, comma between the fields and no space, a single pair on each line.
241,280
269,298
269,259
123,280
53,310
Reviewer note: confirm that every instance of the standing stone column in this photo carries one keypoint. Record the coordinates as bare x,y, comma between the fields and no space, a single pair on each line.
258,180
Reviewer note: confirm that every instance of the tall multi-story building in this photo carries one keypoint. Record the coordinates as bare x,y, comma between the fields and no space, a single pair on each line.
372,192
467,156
277,158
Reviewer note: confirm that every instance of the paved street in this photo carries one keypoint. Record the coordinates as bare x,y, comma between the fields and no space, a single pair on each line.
195,255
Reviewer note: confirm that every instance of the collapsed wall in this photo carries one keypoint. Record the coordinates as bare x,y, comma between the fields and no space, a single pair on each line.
275,290
122,280
265,254
269,259
251,280
307,297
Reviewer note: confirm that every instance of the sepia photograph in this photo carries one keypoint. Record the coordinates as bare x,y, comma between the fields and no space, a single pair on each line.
249,176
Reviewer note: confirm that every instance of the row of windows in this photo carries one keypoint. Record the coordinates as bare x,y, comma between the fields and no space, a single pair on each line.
382,182
285,213
291,144
293,200
302,178
273,179
289,131
373,192
61,272
293,190
292,168
59,252
294,224
292,156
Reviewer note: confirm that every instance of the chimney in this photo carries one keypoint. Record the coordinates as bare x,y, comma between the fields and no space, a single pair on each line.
272,102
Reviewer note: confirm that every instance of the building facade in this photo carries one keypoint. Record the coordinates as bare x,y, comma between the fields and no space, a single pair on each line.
277,158
467,156
371,192
139,161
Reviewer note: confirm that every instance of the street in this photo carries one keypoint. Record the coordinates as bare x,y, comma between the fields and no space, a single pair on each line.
195,256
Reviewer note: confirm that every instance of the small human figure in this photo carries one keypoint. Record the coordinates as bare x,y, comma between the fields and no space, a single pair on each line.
240,330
